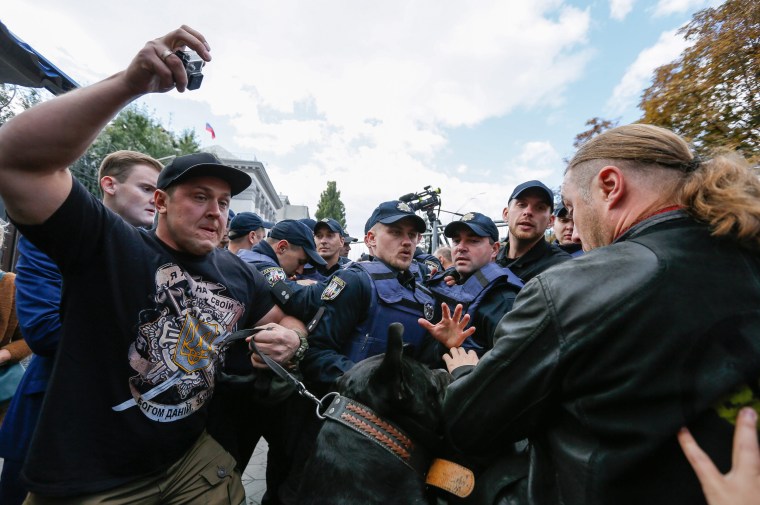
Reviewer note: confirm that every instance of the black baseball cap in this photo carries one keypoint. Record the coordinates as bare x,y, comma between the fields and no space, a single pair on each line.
334,226
299,234
184,167
245,222
531,185
561,210
480,225
390,212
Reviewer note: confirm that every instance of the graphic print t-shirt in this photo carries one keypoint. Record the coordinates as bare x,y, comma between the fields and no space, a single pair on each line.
143,328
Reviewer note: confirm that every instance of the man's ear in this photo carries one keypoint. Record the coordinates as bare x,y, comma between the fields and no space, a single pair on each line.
108,185
282,246
371,239
551,221
495,250
611,184
505,214
160,197
252,237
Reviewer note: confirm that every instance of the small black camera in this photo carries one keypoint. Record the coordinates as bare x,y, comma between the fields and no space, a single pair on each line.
193,65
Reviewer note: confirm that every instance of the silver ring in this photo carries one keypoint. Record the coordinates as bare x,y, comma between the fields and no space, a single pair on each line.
165,54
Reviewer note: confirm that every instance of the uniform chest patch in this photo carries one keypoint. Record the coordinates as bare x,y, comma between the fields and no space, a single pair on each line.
429,311
333,289
273,275
432,265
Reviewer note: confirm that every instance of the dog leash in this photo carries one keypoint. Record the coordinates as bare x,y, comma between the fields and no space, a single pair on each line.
281,371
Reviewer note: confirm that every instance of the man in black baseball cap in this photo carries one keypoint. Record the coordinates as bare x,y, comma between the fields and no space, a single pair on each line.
528,215
246,230
146,358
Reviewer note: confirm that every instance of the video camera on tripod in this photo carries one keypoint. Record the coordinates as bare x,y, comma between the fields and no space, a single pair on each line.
425,200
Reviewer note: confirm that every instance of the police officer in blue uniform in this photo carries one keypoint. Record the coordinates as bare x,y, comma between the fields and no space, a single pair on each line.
246,230
263,408
485,289
329,238
361,301
282,255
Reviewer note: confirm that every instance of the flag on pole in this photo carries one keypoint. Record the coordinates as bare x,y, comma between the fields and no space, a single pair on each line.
211,131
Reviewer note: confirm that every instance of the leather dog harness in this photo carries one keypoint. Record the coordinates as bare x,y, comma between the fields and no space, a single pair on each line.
387,435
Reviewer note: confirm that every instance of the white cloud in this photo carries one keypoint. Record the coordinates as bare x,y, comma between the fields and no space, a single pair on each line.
619,9
639,74
381,82
537,160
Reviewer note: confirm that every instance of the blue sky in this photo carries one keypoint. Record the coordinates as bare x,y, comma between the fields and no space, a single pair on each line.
384,97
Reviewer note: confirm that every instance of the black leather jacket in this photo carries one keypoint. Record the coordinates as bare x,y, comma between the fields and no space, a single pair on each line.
605,357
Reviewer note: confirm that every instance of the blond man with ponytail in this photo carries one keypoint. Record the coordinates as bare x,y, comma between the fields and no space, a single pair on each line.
603,359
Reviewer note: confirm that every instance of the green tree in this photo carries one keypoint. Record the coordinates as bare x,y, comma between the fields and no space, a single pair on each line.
14,99
597,125
711,93
330,205
134,129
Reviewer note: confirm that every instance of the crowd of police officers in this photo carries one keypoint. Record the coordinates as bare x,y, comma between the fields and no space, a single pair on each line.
349,305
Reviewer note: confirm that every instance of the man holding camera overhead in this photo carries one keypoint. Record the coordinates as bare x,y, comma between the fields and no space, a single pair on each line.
146,314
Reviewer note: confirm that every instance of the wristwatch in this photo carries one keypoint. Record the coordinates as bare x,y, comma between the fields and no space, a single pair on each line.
302,348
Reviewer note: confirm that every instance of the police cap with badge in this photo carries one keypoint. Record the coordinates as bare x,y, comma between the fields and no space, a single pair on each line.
333,225
392,212
477,223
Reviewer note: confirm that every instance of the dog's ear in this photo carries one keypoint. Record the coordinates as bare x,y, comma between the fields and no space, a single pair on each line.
390,372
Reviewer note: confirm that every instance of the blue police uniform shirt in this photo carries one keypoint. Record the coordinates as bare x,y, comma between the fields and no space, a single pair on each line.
487,295
359,301
299,301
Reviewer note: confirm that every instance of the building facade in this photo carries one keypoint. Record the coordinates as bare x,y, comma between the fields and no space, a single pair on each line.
260,197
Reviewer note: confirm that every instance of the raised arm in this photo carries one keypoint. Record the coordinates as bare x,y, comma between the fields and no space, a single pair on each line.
37,146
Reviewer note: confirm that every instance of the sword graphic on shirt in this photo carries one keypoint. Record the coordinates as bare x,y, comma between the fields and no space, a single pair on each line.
177,346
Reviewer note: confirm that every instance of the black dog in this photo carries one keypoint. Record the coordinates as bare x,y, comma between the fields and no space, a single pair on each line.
374,451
